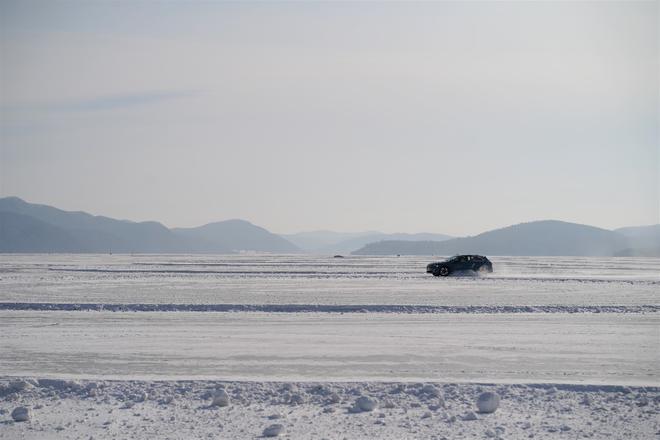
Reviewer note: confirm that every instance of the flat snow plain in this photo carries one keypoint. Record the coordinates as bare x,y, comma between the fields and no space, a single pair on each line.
134,346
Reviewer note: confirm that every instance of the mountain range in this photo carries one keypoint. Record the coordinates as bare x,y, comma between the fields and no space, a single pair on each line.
547,238
330,242
27,227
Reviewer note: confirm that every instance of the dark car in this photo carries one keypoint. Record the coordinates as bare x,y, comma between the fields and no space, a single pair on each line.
457,263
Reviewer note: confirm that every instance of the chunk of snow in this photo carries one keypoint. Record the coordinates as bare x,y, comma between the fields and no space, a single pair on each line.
366,403
220,398
290,387
140,397
488,402
21,414
387,403
430,390
296,399
19,385
469,416
60,385
274,430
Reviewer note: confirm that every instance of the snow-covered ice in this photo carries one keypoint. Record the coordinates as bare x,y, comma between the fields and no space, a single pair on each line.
311,281
603,348
177,346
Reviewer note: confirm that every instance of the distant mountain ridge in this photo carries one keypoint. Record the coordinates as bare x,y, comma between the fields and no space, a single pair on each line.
540,238
643,241
315,240
22,233
27,227
340,242
237,234
87,232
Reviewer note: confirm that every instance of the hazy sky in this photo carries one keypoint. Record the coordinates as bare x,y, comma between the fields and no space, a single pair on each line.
440,117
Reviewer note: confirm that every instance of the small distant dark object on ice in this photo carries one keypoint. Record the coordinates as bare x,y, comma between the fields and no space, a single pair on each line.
458,263
338,256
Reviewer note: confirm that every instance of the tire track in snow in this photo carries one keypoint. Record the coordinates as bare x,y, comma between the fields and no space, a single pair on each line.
327,308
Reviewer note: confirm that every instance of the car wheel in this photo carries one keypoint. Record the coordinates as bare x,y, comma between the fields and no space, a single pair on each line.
436,273
444,271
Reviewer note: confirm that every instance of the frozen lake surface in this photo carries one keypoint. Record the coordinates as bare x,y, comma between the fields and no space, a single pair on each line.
561,320
322,280
540,347
122,346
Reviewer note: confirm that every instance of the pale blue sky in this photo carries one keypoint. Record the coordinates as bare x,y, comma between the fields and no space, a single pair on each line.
440,117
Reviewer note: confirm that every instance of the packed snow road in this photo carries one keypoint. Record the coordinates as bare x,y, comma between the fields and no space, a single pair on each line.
583,348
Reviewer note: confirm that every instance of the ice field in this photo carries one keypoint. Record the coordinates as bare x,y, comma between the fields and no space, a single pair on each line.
573,320
562,283
544,332
589,348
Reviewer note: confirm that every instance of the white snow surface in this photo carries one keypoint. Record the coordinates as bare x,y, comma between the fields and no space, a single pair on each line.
271,280
139,346
182,410
591,348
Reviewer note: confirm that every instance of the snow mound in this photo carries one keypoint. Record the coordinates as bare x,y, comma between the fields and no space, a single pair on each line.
18,386
290,387
61,385
220,398
488,402
295,399
21,414
387,403
431,391
365,403
274,430
469,416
